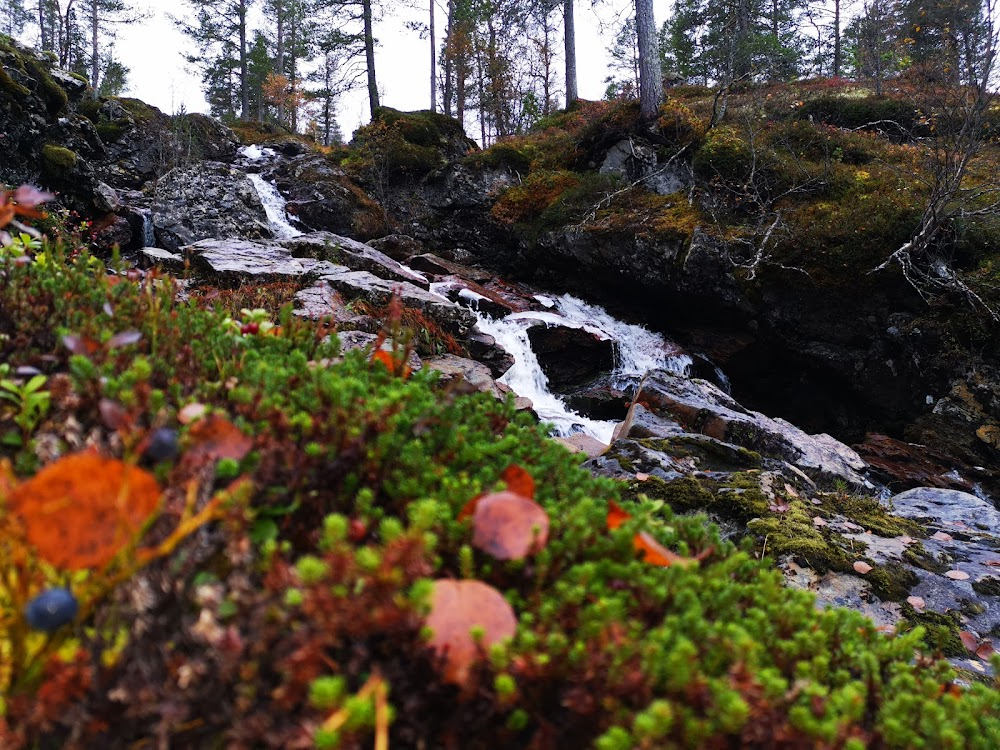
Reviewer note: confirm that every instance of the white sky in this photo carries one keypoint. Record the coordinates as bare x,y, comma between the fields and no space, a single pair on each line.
160,76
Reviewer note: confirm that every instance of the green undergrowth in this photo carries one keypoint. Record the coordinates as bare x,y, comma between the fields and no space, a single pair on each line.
254,634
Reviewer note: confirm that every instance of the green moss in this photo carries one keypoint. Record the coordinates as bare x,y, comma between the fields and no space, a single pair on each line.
57,161
11,86
987,586
684,495
139,109
891,582
869,513
55,97
109,131
423,128
940,631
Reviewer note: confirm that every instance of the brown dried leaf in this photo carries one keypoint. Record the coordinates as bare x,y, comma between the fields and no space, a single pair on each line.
957,575
215,437
819,521
985,650
81,345
80,511
456,608
862,567
642,476
509,526
113,414
124,339
970,641
916,602
942,537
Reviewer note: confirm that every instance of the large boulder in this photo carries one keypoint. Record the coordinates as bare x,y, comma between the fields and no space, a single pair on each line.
571,356
323,196
355,255
207,200
671,402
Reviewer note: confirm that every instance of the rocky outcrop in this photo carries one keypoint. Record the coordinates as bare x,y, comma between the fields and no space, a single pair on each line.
207,200
322,196
667,404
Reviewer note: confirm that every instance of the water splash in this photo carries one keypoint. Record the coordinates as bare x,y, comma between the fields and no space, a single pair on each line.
637,350
274,207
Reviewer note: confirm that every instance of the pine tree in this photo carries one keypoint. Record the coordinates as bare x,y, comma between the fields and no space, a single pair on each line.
14,16
101,18
219,32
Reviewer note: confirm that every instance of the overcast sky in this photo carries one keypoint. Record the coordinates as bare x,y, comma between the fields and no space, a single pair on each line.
160,76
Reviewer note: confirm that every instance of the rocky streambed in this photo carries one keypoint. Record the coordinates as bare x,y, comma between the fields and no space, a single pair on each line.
906,535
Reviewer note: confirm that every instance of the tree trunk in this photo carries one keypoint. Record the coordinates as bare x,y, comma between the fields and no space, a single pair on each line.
836,39
244,75
279,52
570,40
448,66
650,77
370,57
293,32
95,62
434,106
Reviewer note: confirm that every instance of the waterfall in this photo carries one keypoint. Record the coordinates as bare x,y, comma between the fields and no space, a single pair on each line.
637,350
148,233
274,207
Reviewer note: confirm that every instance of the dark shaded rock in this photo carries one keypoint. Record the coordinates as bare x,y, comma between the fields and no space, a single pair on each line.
110,231
902,466
350,253
399,247
207,200
599,400
484,348
571,357
437,266
143,143
323,197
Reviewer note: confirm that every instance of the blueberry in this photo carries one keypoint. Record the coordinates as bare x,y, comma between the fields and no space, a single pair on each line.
51,609
162,445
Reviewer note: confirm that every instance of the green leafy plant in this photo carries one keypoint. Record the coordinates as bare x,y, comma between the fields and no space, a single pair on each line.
30,403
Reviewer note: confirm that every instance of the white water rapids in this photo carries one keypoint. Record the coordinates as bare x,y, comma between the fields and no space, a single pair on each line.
274,202
637,350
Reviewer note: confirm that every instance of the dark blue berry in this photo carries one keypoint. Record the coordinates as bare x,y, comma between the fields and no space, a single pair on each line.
51,609
162,445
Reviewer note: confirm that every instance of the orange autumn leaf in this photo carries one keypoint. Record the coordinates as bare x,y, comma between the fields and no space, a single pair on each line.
456,608
509,526
652,551
215,437
82,510
400,369
519,481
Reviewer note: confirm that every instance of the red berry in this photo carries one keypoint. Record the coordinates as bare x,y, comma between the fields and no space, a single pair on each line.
250,328
358,529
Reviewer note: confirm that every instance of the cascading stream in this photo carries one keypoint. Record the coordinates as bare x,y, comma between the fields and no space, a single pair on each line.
637,350
274,202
